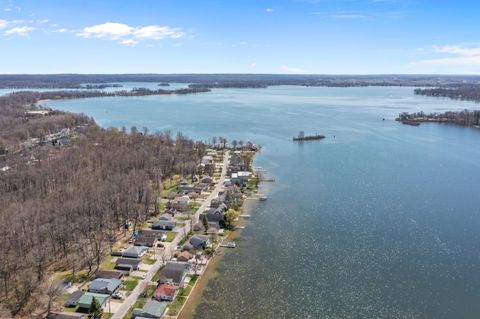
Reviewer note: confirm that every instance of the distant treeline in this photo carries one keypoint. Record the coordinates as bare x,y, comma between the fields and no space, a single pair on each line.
467,92
75,81
464,118
15,126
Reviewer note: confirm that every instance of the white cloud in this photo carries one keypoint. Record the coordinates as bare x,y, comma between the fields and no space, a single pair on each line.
290,69
465,60
129,35
43,21
19,30
61,30
457,55
129,42
107,30
457,50
269,10
3,23
156,32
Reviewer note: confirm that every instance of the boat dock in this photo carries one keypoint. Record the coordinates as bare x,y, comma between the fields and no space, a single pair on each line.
230,244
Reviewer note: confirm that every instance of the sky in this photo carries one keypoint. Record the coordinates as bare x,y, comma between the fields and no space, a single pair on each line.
240,36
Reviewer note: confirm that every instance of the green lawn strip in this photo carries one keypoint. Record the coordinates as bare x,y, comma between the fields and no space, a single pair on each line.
171,236
131,283
148,261
107,264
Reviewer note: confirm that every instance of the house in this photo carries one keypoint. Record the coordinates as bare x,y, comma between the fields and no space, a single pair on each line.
208,180
127,264
240,178
146,241
165,222
86,300
207,160
181,203
217,202
165,292
200,241
150,237
200,187
152,309
104,286
184,256
65,315
109,274
72,300
174,273
135,251
185,189
187,247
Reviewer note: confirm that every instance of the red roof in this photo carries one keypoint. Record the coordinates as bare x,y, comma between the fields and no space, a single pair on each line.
166,290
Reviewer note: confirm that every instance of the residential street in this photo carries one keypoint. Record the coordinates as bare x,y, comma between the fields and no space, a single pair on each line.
132,298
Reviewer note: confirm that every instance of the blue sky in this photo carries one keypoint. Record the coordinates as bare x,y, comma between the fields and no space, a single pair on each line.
240,36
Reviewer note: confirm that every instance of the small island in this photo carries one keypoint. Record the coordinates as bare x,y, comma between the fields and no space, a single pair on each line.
302,137
164,84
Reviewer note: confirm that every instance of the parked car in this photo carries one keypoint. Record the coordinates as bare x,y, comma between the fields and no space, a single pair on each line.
117,295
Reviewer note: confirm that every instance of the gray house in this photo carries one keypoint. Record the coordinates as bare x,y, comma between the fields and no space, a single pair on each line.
200,241
135,251
153,310
174,272
165,222
127,264
104,286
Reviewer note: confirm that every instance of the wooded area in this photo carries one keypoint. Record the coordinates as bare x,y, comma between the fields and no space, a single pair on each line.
61,207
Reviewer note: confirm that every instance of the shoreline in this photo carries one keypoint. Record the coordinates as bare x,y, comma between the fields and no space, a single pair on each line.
211,271
195,297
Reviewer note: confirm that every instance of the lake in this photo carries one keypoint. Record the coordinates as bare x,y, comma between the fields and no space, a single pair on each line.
378,220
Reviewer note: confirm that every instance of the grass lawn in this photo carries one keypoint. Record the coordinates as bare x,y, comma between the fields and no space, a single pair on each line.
138,304
107,264
171,236
67,276
130,283
148,261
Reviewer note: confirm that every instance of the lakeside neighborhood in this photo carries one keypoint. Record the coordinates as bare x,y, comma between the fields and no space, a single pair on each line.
153,267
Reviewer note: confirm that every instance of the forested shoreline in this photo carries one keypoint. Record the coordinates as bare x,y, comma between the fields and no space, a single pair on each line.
463,118
61,207
466,92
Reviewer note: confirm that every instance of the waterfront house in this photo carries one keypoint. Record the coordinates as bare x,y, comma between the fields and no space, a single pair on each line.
135,251
164,222
104,286
72,300
200,241
127,264
152,309
184,256
174,273
109,274
65,315
86,300
165,292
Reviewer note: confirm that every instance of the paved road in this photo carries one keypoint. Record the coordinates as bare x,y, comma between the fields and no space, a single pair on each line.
130,300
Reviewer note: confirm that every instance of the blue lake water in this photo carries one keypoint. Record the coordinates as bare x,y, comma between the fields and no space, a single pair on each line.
379,220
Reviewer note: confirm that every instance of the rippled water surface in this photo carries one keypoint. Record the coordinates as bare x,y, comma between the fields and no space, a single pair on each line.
379,220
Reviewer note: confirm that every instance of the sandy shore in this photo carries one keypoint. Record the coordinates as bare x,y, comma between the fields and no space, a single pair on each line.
211,272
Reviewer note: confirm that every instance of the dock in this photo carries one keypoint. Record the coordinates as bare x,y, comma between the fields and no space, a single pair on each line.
230,244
